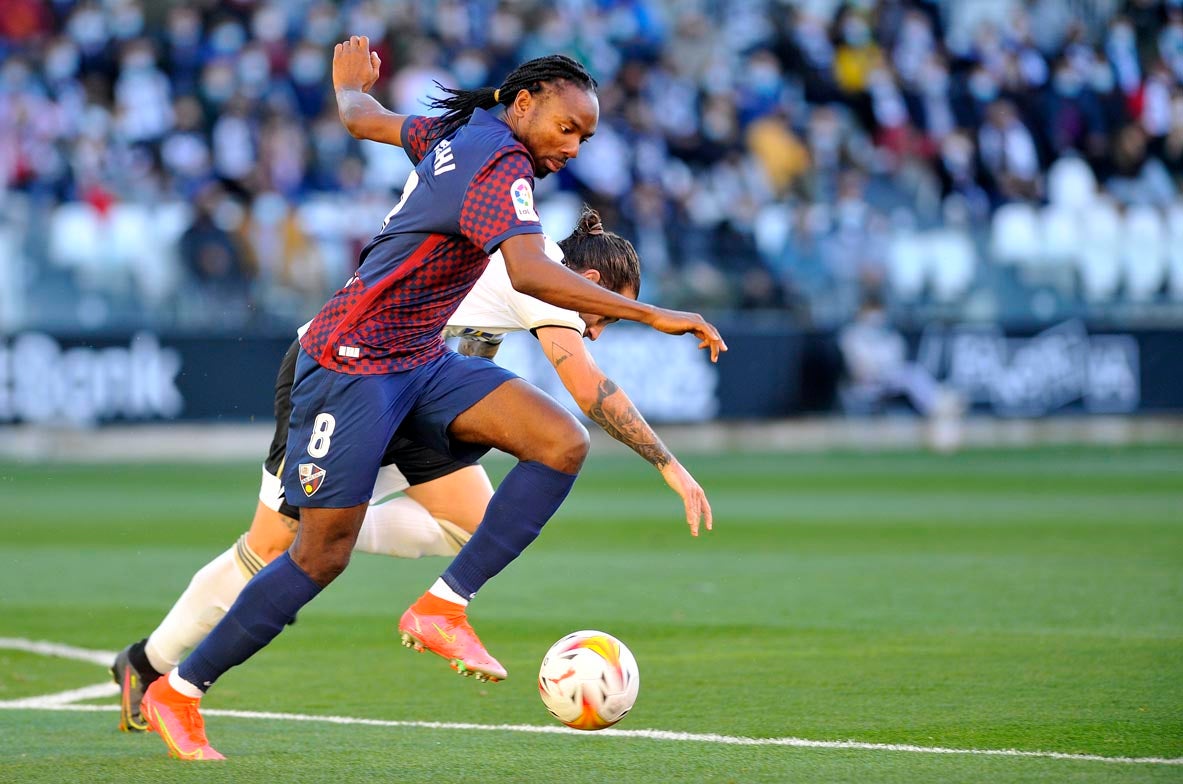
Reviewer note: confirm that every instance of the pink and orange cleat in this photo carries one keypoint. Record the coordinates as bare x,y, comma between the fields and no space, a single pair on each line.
176,719
437,625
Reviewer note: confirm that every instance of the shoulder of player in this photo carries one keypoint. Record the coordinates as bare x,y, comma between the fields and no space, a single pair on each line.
491,145
511,157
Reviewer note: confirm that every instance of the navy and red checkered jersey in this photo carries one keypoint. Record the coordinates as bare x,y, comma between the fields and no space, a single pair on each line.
418,134
467,194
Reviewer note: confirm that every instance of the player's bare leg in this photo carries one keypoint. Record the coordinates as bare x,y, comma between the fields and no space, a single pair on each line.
551,446
460,497
525,422
324,541
271,533
436,517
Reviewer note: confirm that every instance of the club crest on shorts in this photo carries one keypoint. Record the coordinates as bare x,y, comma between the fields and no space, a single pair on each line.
311,478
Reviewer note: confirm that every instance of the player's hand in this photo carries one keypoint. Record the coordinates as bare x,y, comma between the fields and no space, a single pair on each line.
355,67
698,510
676,322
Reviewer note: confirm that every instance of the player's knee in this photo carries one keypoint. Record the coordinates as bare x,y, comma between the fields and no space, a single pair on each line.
569,449
324,563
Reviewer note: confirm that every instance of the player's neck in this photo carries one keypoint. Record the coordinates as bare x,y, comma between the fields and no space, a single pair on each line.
498,113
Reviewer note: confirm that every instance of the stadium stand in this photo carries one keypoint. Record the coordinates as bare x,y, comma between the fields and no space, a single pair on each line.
760,154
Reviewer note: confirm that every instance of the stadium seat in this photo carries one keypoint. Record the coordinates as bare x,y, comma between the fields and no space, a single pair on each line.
1061,235
773,227
144,243
1071,183
12,304
1098,262
1175,273
1101,224
131,236
1100,274
1015,234
953,263
322,217
907,265
75,237
1174,218
157,276
1143,252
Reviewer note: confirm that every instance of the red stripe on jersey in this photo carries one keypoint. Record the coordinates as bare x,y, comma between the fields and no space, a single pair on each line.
413,262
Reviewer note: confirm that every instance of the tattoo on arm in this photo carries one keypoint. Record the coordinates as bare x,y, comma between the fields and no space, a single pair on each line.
560,354
477,348
621,420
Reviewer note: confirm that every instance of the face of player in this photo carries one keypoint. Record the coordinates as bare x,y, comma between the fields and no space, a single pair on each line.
553,123
596,323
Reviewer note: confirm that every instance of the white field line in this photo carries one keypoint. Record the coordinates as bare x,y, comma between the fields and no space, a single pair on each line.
57,649
60,702
104,689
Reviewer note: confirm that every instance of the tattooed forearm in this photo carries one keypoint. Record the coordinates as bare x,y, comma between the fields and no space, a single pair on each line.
621,420
477,348
292,523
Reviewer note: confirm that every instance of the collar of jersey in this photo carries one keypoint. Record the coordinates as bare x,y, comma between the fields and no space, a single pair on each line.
496,117
486,117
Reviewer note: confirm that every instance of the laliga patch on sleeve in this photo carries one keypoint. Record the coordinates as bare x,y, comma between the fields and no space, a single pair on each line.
523,199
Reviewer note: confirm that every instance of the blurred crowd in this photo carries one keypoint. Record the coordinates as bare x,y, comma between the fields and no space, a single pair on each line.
759,153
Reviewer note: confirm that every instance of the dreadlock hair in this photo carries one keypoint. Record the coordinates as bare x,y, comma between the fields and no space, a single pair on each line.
614,257
532,75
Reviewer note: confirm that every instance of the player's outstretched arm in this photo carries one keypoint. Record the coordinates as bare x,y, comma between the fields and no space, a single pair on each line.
609,407
532,273
355,69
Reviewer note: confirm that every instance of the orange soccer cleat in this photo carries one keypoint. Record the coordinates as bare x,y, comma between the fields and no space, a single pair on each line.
437,625
176,719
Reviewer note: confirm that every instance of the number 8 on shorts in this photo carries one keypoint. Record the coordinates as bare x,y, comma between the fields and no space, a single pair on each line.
322,429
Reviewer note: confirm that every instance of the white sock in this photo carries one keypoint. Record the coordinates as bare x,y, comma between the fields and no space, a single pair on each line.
403,528
441,590
209,595
183,686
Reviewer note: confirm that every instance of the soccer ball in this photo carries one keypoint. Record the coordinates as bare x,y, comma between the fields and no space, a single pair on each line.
589,680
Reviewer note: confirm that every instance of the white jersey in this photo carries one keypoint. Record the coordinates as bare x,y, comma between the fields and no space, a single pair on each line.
495,307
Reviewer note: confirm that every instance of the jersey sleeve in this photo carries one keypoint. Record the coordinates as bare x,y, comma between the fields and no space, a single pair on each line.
499,202
417,136
532,313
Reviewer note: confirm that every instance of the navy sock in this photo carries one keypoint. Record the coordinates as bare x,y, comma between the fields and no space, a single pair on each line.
526,498
267,604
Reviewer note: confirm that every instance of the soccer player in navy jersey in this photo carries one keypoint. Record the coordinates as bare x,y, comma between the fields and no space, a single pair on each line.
442,499
373,359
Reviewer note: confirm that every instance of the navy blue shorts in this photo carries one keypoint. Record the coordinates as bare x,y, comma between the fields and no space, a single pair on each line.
342,424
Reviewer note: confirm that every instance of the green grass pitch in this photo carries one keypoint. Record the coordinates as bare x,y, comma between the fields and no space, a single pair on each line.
1028,600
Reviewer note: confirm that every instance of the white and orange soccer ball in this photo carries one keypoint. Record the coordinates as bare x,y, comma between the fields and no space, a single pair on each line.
589,680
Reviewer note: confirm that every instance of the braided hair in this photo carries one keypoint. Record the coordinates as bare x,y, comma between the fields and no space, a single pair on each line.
614,257
531,75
